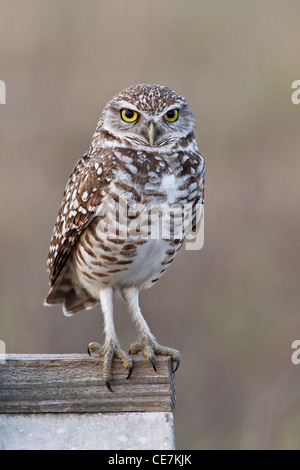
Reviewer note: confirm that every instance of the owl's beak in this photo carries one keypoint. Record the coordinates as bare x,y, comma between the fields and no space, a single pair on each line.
151,133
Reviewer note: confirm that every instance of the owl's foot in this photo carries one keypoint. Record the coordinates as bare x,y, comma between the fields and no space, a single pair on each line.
150,348
109,351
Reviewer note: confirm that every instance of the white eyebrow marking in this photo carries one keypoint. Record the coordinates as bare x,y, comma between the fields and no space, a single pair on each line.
126,105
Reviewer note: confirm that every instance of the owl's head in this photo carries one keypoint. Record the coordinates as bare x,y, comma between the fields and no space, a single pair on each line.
149,117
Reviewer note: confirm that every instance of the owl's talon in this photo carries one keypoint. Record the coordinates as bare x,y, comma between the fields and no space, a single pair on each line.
152,360
107,383
108,352
177,364
129,372
149,347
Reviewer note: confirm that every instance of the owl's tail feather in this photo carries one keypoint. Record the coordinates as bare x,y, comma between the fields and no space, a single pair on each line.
73,298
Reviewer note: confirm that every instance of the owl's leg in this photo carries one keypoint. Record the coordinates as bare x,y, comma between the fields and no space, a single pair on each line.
111,347
146,342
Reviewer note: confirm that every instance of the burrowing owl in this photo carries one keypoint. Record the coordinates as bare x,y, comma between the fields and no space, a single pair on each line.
143,161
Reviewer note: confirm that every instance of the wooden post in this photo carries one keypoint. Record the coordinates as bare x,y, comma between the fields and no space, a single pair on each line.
61,402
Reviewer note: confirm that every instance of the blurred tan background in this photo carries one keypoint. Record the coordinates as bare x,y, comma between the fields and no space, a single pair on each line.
232,308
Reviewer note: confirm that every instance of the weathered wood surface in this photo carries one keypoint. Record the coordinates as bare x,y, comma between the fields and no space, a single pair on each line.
73,384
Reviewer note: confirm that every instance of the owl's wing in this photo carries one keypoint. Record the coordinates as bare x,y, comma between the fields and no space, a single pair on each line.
82,196
193,179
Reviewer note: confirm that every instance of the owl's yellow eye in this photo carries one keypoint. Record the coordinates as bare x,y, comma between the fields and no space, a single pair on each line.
172,115
128,115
